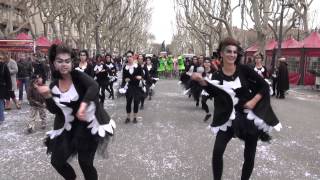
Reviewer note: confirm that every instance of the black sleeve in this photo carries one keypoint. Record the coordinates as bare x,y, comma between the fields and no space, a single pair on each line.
91,86
256,82
7,77
51,106
124,76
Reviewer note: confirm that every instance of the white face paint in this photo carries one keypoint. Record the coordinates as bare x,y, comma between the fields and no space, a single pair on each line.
63,63
229,54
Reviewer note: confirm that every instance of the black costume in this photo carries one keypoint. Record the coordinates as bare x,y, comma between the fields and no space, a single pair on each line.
102,78
205,96
71,136
134,90
262,71
88,70
231,119
151,80
144,87
112,74
282,80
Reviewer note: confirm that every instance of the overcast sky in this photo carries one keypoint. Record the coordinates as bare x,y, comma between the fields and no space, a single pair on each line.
163,19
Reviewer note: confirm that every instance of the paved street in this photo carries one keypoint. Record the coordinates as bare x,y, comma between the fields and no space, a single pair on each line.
171,142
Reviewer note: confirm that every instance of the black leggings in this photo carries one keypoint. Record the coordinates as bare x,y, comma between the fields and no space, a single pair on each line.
220,145
85,158
136,102
10,95
110,89
102,95
204,105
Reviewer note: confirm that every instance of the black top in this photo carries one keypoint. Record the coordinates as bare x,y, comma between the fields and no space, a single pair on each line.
248,84
262,71
88,70
5,80
101,71
66,104
132,72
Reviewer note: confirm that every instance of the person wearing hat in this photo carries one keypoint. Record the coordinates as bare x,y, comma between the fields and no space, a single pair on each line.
282,78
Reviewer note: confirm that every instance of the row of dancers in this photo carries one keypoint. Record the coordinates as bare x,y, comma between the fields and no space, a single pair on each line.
82,126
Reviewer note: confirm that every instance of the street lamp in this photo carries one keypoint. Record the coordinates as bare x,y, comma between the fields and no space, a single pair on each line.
278,52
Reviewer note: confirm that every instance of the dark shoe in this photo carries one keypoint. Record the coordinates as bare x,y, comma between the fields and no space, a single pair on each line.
149,98
135,120
127,120
197,104
141,107
29,130
207,117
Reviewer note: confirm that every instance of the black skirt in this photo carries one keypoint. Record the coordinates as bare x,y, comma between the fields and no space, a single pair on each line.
243,127
79,138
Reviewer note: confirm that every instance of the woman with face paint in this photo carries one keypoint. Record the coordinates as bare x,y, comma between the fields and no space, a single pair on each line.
81,125
132,79
84,65
241,107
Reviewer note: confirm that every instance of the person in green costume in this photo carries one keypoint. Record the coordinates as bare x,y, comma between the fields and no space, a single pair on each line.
161,67
169,67
181,66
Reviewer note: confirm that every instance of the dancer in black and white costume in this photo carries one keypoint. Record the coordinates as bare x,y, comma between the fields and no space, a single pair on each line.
81,125
141,63
112,75
84,65
242,107
101,76
208,71
132,86
262,70
152,77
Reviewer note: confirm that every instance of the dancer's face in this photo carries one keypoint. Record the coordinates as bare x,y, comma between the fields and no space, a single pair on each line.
229,54
258,59
207,64
63,63
83,56
130,58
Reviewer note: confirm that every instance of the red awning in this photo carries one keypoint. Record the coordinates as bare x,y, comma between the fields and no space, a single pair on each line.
271,45
57,41
312,41
23,36
311,45
15,45
43,42
291,47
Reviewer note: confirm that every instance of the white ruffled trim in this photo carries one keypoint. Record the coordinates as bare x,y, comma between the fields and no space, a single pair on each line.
131,68
204,93
95,126
70,95
124,89
228,88
260,123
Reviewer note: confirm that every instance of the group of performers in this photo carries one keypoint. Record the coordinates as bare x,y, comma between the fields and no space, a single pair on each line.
82,126
138,81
